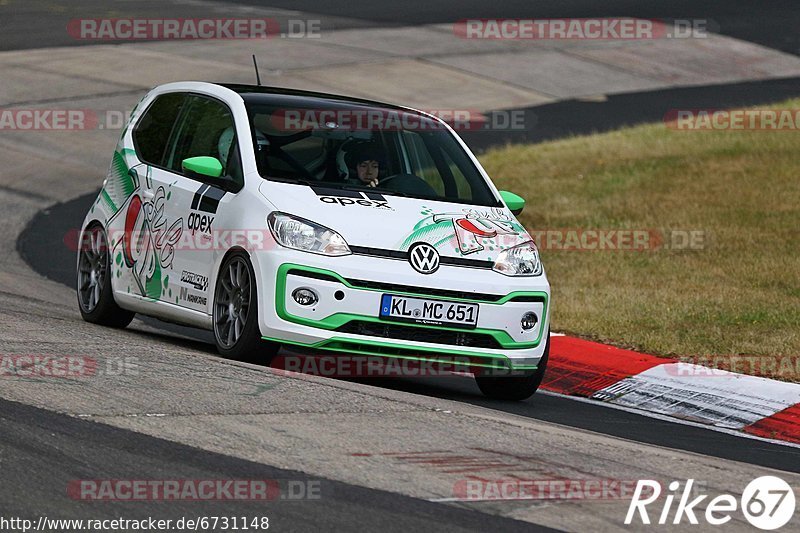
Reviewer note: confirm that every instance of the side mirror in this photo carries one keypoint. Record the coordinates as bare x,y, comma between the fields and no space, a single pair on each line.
513,201
203,165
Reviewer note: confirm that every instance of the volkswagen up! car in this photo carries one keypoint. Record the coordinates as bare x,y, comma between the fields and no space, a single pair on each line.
277,217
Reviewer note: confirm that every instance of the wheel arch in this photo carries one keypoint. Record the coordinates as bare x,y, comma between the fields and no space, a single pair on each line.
218,268
79,242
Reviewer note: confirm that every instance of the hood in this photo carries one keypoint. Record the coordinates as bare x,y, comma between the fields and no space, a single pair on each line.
374,220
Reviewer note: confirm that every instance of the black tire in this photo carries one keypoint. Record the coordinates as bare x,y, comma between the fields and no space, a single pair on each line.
248,344
94,262
515,388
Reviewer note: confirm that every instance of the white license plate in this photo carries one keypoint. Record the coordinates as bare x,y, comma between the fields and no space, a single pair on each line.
432,312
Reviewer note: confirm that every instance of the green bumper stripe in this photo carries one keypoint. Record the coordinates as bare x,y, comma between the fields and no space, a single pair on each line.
339,319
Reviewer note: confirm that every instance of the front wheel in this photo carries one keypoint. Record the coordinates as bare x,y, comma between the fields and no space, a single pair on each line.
235,313
515,388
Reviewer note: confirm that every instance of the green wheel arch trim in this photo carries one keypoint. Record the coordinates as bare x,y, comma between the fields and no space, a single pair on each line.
338,344
336,320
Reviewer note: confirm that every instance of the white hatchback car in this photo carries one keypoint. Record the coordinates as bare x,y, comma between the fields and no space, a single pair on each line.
281,217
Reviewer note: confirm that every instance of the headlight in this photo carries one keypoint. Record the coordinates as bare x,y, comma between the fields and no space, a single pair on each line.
301,234
521,260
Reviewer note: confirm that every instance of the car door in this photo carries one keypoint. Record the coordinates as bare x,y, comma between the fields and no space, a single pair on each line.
150,233
205,129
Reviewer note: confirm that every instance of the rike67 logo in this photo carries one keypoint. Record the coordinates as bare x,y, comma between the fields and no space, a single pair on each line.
767,503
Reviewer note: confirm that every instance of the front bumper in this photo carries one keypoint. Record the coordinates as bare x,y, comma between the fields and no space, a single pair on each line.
345,319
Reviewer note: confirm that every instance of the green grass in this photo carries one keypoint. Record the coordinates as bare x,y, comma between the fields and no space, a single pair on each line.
740,294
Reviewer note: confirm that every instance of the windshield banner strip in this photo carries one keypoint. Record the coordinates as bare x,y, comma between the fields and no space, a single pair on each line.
330,191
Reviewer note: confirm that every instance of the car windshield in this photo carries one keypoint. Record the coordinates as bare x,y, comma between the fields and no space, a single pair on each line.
387,150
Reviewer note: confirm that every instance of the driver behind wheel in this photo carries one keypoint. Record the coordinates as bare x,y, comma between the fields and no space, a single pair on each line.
368,160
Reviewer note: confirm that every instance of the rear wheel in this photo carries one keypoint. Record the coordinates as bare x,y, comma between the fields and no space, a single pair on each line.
515,388
95,297
235,313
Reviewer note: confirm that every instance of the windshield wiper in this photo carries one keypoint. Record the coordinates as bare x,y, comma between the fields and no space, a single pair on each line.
293,181
373,189
335,185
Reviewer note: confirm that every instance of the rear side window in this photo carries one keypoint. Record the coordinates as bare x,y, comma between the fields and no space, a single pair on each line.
152,133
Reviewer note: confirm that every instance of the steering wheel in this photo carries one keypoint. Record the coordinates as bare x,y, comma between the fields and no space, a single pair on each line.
387,179
410,184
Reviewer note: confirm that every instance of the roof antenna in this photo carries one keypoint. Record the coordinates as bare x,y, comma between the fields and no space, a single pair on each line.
255,64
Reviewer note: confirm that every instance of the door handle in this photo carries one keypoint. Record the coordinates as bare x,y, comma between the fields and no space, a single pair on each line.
148,194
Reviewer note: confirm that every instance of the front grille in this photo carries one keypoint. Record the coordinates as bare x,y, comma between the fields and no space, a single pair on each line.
424,291
403,255
466,339
443,293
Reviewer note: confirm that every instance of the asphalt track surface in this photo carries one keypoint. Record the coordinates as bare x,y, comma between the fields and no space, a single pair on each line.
43,451
40,451
43,246
578,117
40,23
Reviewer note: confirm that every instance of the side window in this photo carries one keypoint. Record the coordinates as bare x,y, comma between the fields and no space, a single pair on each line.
207,129
152,132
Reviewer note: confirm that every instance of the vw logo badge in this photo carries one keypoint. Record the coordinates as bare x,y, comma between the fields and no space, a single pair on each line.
423,258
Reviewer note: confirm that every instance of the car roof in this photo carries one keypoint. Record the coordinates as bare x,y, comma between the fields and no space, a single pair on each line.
261,94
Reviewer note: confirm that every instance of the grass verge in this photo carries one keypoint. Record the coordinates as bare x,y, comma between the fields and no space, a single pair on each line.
737,293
